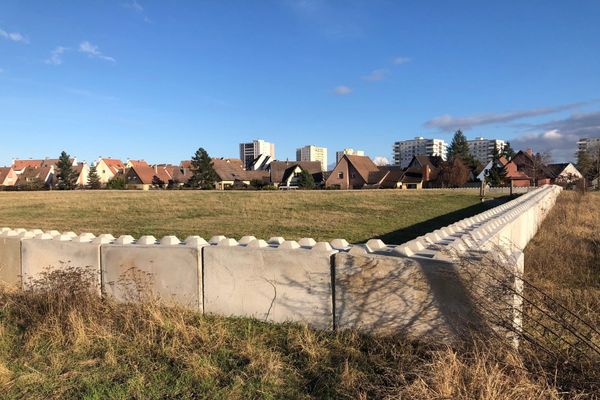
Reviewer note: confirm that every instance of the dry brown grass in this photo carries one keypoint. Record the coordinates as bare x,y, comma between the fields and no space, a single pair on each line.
63,343
563,261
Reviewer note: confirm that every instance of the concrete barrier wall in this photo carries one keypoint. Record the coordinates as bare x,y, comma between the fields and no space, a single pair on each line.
421,287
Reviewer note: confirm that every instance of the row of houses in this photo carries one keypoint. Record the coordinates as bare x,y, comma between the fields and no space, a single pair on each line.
525,170
351,172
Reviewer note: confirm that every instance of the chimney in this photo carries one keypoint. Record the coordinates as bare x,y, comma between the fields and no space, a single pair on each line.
529,151
425,173
156,169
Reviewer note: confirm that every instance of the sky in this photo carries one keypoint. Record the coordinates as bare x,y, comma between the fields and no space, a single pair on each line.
155,80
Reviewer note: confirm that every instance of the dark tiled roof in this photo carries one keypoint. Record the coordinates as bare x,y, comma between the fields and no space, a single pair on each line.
278,168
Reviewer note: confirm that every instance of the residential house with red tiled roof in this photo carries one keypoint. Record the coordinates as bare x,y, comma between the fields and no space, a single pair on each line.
524,170
108,168
143,177
355,172
8,176
136,163
20,165
36,177
231,172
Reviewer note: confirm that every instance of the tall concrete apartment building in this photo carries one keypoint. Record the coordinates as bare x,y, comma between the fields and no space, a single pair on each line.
590,145
249,151
405,150
483,149
350,152
313,153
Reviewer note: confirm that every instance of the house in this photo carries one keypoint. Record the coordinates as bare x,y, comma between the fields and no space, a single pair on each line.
564,173
355,172
231,172
261,162
136,163
422,171
108,168
36,177
8,176
178,176
20,165
83,171
393,177
143,177
524,170
483,173
284,174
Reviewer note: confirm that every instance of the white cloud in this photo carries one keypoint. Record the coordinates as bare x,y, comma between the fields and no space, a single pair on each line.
377,75
381,161
13,36
447,122
135,6
139,9
402,60
342,90
559,137
56,56
552,134
93,52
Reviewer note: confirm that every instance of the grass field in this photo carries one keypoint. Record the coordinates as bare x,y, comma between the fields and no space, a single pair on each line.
394,216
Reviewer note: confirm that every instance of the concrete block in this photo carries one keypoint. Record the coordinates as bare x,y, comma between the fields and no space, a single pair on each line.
244,241
195,241
289,245
216,239
270,284
375,245
43,254
307,242
10,257
228,242
276,240
421,298
339,244
258,244
170,273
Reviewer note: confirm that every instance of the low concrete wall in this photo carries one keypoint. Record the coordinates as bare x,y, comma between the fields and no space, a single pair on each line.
432,286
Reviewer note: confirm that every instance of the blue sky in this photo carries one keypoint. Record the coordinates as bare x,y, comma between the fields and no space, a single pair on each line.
158,79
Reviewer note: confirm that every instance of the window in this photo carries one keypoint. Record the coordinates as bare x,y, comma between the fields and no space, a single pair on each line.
340,175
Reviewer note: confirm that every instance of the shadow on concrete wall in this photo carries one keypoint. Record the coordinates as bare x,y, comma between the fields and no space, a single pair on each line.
411,232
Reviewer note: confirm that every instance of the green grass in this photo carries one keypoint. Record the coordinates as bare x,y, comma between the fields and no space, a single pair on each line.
394,216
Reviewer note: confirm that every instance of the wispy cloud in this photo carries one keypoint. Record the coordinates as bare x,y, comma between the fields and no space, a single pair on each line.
93,52
56,56
342,90
377,75
334,21
134,5
559,137
448,122
137,8
402,60
13,36
87,93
